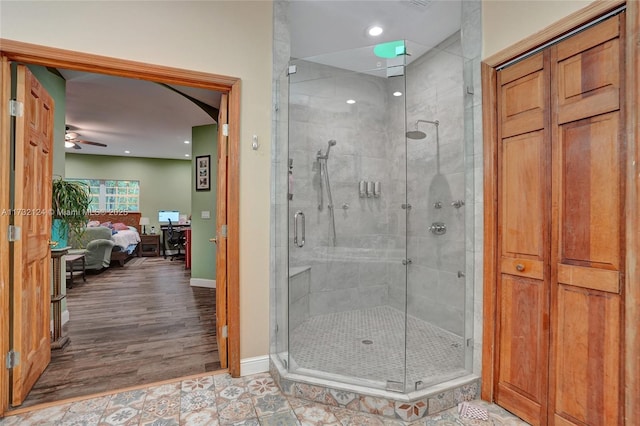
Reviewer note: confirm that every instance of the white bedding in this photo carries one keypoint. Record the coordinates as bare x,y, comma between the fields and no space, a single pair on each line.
125,238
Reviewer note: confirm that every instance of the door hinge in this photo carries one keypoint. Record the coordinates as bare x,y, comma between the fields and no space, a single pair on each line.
470,342
225,331
14,233
225,129
292,69
13,359
223,231
16,109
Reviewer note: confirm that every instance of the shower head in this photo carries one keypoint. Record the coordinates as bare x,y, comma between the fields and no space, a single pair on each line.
331,143
416,134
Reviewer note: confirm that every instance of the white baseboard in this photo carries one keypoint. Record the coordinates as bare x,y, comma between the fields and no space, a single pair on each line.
64,317
201,282
255,365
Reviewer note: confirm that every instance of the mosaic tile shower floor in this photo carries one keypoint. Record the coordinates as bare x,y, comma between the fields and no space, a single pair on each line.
222,400
333,344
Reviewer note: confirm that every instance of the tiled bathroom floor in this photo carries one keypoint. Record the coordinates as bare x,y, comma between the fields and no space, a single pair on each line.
370,344
221,400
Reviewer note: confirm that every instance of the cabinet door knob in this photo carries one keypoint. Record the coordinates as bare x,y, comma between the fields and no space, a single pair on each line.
520,267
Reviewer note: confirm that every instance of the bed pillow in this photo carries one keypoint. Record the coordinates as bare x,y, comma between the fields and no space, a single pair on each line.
119,226
93,224
107,225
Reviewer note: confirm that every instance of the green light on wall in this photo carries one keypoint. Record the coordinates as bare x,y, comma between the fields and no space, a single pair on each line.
390,49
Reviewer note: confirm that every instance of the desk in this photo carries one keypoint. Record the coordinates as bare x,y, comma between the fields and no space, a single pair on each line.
164,229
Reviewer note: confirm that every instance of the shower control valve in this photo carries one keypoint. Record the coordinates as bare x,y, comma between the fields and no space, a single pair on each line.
457,204
406,262
438,228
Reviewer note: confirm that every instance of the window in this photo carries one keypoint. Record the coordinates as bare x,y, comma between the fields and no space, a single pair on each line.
113,195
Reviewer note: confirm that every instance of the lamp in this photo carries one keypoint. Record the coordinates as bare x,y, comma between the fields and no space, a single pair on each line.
144,221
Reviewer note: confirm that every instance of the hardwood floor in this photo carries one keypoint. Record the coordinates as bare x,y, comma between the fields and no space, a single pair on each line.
131,325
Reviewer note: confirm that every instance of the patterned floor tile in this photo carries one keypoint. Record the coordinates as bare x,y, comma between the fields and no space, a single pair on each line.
81,419
315,414
270,404
262,385
236,411
250,401
204,417
285,418
198,384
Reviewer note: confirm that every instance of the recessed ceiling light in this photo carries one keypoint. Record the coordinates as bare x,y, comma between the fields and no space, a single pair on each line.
187,155
187,142
127,152
397,93
351,101
69,144
375,31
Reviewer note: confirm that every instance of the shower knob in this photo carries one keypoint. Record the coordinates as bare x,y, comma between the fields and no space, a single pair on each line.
438,228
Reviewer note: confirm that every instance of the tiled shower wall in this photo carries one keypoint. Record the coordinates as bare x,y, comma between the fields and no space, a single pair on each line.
353,274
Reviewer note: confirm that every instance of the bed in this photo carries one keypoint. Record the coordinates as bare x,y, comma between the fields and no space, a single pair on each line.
126,240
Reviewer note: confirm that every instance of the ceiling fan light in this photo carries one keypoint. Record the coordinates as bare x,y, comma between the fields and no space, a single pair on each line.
68,144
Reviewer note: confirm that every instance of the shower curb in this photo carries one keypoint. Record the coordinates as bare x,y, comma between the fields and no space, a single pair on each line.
404,407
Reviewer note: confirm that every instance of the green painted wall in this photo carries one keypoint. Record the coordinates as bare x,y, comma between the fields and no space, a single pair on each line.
164,184
203,253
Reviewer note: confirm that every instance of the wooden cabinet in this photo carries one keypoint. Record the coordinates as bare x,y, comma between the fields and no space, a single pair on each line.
560,214
149,246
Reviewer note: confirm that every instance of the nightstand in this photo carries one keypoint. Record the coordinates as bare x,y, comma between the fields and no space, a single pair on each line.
149,245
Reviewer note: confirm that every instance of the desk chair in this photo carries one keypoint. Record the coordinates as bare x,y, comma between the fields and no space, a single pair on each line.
176,240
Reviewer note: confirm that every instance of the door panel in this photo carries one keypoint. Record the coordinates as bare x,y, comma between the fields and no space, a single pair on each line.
523,346
587,258
31,266
221,248
523,228
587,357
523,98
590,224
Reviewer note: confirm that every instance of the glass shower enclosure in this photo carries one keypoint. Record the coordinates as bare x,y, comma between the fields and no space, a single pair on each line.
370,217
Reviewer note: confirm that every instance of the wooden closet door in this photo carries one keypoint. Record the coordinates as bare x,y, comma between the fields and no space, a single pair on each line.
588,209
524,153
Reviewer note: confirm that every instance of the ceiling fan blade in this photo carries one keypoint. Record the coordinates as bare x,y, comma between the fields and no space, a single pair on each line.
76,146
89,143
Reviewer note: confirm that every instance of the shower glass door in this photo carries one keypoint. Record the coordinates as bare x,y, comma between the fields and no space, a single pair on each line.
346,214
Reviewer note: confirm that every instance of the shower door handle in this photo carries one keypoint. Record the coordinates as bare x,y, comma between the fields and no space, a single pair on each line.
299,243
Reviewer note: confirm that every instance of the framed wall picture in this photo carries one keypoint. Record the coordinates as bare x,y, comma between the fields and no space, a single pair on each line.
203,173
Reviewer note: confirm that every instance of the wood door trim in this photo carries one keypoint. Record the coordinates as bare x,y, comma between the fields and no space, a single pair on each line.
563,26
54,57
5,152
632,246
632,284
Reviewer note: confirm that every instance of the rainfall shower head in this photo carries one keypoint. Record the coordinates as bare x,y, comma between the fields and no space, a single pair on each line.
417,134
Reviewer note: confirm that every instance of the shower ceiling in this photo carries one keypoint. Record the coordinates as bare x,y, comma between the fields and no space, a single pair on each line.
322,27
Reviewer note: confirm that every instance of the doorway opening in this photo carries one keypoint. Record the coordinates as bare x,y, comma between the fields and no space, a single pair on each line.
227,276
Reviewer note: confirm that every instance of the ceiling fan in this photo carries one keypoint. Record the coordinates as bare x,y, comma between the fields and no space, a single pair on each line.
72,139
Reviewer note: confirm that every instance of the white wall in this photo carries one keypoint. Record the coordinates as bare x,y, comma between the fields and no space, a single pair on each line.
223,37
506,22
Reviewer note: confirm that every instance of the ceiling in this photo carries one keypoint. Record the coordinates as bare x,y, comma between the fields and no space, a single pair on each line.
150,120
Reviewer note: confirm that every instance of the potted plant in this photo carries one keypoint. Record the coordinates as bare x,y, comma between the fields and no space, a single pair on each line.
70,205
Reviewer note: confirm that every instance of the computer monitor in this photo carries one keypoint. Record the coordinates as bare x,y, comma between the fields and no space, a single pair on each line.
165,215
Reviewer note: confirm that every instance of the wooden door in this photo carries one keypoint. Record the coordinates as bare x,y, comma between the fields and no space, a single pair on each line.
588,231
31,253
221,250
523,239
